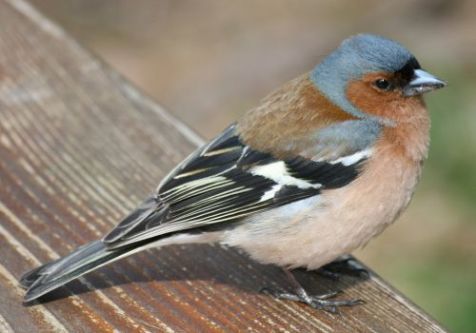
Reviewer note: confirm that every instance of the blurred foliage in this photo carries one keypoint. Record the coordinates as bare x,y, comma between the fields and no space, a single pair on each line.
208,61
453,151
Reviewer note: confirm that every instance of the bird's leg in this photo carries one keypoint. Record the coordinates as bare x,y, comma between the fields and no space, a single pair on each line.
322,302
343,266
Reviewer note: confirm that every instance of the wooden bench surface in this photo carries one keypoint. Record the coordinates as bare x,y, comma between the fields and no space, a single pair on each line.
79,147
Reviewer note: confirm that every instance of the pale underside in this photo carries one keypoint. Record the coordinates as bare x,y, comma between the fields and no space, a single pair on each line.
313,231
226,182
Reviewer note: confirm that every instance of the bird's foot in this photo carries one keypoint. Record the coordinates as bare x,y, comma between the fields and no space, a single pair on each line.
346,266
320,302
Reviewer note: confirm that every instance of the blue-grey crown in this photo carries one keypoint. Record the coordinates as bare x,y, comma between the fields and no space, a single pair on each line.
356,56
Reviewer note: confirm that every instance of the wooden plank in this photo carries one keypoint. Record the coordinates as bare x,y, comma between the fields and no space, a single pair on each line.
79,147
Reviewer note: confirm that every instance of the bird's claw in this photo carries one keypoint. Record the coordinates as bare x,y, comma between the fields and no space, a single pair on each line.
319,302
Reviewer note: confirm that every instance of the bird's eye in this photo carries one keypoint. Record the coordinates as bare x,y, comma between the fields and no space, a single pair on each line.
383,84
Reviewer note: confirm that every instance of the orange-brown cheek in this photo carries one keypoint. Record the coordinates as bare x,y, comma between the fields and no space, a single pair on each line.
379,103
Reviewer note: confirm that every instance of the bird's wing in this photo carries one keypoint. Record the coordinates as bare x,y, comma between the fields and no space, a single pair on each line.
227,180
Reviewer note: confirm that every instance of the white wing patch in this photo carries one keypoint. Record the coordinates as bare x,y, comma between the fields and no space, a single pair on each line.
354,158
278,173
270,194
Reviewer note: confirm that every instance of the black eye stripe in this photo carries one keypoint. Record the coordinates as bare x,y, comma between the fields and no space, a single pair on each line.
400,78
406,72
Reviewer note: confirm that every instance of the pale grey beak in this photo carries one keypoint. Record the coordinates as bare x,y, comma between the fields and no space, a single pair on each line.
421,83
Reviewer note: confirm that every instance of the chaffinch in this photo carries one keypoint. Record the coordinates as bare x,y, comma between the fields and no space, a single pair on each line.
316,170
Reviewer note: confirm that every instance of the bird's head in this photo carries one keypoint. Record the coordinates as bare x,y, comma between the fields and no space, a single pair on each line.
372,76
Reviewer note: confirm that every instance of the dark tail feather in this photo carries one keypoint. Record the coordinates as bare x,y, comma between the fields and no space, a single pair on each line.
84,259
52,275
30,277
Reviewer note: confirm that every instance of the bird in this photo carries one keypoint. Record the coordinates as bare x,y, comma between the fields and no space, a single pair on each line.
318,168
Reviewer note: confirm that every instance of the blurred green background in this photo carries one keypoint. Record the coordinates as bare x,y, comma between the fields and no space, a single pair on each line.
208,61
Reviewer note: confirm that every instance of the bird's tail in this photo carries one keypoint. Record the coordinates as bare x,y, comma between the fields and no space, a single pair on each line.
89,257
44,279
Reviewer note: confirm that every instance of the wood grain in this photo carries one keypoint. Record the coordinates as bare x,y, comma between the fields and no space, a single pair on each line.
79,147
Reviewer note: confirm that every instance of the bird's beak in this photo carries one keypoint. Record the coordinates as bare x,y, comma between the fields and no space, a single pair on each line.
422,82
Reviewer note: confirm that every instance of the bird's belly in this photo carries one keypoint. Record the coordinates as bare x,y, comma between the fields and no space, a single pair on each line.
315,231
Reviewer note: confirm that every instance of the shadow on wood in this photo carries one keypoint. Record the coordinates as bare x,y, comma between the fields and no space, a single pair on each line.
204,263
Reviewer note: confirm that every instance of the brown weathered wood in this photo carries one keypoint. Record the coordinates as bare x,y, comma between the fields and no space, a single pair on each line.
79,147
